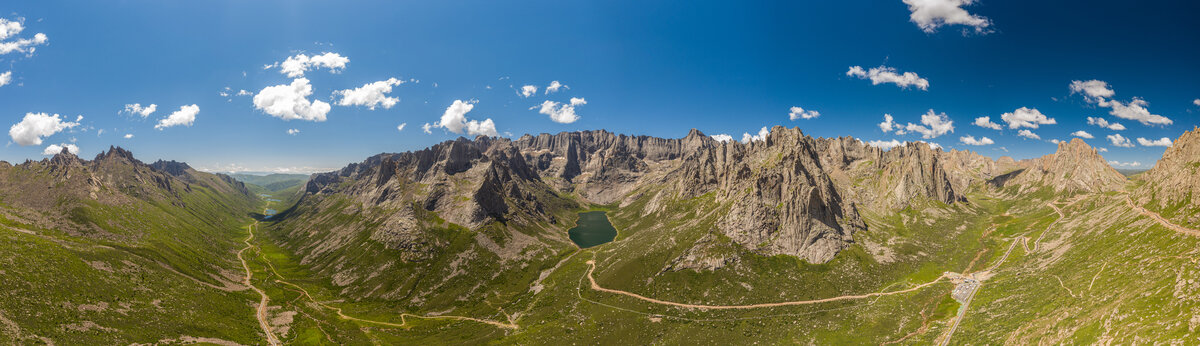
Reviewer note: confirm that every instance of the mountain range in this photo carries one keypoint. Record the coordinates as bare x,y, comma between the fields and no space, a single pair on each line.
787,238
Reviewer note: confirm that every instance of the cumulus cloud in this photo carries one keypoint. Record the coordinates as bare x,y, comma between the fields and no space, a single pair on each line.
888,124
1099,92
1102,149
1119,141
800,113
577,101
1093,90
36,126
1028,134
1161,142
136,108
289,101
58,148
935,125
1055,140
293,131
427,128
370,95
401,127
1101,122
243,92
454,119
554,86
761,136
986,122
722,138
1082,134
929,15
185,116
1124,164
5,78
884,74
528,90
562,113
9,43
128,135
886,145
1196,102
1135,110
1026,117
297,65
970,140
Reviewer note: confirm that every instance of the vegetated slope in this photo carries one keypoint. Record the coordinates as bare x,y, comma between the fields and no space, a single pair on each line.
113,250
1172,187
272,182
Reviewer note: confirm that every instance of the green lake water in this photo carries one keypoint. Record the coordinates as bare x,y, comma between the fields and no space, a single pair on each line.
592,229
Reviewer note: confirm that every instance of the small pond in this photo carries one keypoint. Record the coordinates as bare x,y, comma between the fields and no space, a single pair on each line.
592,229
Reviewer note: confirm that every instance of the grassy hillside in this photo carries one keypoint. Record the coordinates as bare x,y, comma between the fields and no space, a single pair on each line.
272,182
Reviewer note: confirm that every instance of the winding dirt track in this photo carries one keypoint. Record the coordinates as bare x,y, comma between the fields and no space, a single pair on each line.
261,314
597,287
1161,220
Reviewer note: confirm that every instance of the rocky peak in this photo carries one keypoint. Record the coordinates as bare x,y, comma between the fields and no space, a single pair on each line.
1176,177
172,167
65,159
116,153
1075,167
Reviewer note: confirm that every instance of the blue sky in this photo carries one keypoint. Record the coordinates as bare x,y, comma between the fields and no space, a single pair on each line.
653,68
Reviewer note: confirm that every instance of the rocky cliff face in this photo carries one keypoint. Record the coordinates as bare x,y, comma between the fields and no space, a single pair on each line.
1075,168
1175,179
895,178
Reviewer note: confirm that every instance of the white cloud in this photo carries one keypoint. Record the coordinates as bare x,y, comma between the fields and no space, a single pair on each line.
36,126
290,102
9,29
1026,117
935,125
1135,110
136,108
1099,92
559,112
1161,142
1102,149
454,119
1196,102
1101,122
297,65
1055,141
1082,134
886,145
293,131
578,101
5,78
1093,90
58,148
884,74
554,86
798,113
401,127
929,15
1028,134
1125,164
243,92
185,116
722,138
128,135
528,90
762,135
370,95
427,128
970,140
1119,141
888,124
986,122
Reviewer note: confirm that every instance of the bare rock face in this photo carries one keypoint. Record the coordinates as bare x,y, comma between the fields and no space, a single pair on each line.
1175,178
1075,168
895,178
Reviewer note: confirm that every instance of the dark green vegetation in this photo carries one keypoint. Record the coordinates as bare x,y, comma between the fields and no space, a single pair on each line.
592,229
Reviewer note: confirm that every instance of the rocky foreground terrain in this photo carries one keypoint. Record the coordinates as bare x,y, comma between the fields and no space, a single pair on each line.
466,241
